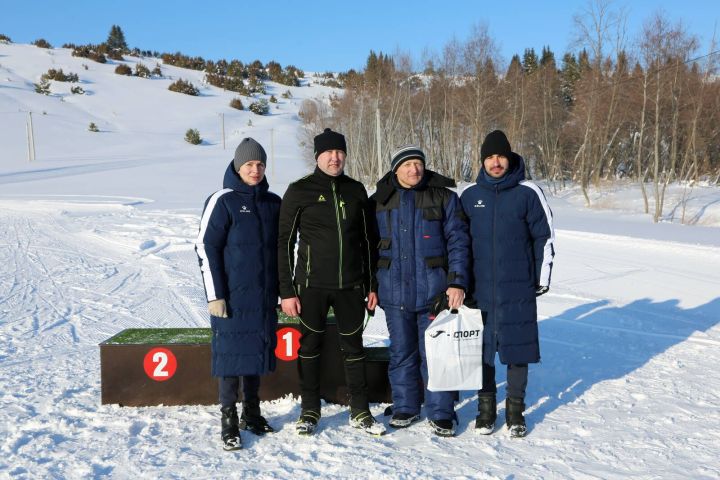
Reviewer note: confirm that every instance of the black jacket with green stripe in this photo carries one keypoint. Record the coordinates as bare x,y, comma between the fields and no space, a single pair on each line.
337,248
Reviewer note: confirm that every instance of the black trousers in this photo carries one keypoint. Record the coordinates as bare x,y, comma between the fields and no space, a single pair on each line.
229,386
517,377
349,308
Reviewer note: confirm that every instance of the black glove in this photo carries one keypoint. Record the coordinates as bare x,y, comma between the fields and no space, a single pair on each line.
541,290
439,303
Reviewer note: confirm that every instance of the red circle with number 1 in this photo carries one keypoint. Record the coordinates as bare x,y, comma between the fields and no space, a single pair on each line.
160,364
288,343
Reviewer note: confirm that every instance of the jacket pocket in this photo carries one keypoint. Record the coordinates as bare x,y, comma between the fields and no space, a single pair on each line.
432,213
436,262
384,262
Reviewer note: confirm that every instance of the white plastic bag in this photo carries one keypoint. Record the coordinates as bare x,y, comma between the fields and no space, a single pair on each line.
453,347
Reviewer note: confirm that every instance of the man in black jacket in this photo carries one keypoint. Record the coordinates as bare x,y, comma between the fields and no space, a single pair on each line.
332,215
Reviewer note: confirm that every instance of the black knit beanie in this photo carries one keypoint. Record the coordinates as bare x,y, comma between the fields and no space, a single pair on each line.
406,152
248,150
329,140
495,143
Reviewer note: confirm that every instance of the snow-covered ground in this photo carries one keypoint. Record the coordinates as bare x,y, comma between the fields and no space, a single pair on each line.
97,237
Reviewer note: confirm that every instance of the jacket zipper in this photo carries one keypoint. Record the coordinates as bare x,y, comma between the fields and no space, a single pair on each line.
337,218
307,268
494,261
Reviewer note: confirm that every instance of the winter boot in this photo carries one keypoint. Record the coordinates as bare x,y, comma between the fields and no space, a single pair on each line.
252,420
230,432
514,419
487,414
403,420
442,428
307,423
364,420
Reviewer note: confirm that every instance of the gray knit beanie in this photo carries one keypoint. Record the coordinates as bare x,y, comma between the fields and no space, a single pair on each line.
248,150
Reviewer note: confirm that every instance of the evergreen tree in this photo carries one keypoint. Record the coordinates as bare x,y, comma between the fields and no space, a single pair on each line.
116,39
530,61
569,75
547,59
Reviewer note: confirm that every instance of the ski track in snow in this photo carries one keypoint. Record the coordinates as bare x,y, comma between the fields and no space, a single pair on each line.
623,389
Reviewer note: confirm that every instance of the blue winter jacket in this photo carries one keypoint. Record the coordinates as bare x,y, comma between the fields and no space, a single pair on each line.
424,244
237,251
512,248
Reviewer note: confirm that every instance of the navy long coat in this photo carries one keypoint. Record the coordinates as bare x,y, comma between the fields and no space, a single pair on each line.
237,251
512,247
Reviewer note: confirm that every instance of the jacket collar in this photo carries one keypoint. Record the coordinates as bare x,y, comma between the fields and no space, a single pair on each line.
233,181
388,185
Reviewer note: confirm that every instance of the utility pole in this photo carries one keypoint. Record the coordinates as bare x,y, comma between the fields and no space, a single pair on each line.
222,126
30,138
379,149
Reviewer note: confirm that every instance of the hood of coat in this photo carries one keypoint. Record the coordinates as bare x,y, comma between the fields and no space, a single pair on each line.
514,175
233,181
387,185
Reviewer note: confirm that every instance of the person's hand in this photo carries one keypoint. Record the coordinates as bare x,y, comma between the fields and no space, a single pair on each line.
291,306
541,290
372,301
455,297
218,308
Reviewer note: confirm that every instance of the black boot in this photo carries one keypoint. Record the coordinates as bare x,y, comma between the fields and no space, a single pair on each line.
252,420
487,414
514,408
230,431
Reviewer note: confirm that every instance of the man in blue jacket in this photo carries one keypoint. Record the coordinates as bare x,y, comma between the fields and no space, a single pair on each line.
423,253
237,251
512,248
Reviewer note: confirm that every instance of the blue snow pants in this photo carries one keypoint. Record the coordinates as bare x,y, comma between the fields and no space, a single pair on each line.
408,367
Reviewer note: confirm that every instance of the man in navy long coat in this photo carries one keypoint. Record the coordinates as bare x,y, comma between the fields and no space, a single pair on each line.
237,250
424,249
512,247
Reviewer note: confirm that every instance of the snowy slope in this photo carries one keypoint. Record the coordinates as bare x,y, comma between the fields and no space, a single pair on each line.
98,237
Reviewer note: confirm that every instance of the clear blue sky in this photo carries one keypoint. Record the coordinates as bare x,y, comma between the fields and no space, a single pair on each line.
325,35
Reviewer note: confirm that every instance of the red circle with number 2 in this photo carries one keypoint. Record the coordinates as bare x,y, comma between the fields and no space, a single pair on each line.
288,343
160,364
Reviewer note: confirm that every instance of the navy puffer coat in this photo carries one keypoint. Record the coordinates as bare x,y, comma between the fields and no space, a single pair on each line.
424,243
237,251
512,247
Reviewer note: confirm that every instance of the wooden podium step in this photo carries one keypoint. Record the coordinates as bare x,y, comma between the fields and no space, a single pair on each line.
144,367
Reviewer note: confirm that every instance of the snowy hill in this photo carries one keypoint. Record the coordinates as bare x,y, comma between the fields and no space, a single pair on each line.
97,237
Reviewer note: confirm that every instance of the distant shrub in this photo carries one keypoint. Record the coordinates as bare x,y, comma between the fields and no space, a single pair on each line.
60,76
43,87
260,107
286,94
182,86
236,103
156,71
89,51
93,128
4,39
115,55
273,99
42,43
77,90
193,136
123,69
142,71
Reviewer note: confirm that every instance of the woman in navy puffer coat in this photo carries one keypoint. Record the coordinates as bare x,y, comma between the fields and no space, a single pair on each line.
237,250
